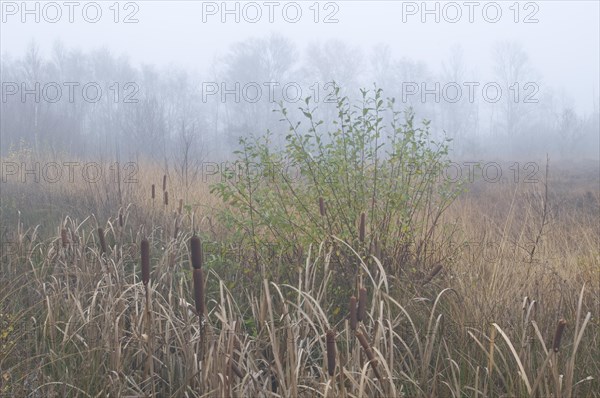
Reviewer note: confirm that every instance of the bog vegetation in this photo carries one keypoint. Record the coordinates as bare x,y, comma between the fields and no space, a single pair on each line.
340,262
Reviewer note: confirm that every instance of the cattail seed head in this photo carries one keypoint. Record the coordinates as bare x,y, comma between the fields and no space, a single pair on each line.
153,192
64,238
102,239
197,255
369,352
365,345
361,229
376,249
180,206
164,182
362,304
560,328
166,198
322,206
236,369
120,219
199,291
176,228
331,352
145,249
353,313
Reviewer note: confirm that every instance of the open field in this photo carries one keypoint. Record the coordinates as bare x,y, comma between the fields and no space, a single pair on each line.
483,319
308,199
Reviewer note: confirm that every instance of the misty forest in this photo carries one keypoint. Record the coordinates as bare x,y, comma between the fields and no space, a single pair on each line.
291,216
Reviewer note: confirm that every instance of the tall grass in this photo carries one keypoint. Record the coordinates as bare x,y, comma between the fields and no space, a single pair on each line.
82,332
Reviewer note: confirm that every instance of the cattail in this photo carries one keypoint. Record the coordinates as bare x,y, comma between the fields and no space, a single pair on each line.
331,352
353,314
433,273
197,255
199,291
376,249
370,356
176,228
64,238
145,248
322,206
236,369
560,328
361,229
153,192
180,206
120,219
102,239
365,345
362,304
166,198
164,182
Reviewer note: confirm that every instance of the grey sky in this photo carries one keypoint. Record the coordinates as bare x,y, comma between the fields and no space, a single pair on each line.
563,46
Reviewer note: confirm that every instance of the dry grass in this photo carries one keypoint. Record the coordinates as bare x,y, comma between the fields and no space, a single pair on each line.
135,310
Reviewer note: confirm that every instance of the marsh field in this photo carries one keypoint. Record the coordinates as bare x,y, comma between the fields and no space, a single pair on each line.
360,270
311,199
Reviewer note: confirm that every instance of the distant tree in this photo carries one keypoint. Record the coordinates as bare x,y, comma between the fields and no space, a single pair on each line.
459,116
257,70
513,72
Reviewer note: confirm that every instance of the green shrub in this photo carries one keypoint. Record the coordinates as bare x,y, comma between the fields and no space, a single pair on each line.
372,159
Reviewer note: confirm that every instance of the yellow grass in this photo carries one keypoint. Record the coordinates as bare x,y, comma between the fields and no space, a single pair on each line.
76,322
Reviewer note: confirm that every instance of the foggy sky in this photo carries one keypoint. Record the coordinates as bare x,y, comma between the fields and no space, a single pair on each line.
563,46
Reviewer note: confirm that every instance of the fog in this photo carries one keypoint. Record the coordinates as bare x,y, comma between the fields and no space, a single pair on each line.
502,79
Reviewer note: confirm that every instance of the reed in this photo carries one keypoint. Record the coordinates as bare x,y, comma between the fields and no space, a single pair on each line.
199,291
362,228
362,304
353,313
149,338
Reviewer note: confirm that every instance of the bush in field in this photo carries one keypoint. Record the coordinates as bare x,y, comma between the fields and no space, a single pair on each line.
372,179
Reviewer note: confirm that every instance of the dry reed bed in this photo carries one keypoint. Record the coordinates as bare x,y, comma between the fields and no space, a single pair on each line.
127,307
129,317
